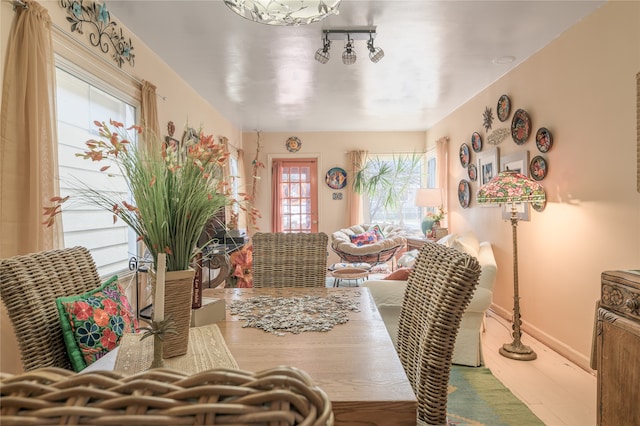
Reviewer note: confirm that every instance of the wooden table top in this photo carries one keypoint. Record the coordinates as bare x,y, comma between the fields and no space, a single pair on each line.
355,363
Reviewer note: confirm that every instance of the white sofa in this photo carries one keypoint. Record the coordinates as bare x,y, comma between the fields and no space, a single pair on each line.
388,296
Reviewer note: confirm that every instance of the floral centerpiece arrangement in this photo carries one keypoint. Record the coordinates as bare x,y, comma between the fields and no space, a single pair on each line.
176,188
437,216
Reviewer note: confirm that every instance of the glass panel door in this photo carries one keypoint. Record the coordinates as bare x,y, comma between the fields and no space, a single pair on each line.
296,198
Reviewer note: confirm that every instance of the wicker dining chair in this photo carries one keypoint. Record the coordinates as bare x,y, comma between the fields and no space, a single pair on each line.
29,286
289,259
279,396
439,289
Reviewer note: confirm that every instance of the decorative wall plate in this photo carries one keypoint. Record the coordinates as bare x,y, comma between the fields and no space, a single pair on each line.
472,170
520,126
504,108
464,155
293,144
544,139
476,142
538,168
464,193
336,178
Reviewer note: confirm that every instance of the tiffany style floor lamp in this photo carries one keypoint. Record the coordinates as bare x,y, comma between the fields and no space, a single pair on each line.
512,188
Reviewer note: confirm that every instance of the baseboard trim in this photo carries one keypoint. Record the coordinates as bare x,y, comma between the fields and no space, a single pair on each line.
579,359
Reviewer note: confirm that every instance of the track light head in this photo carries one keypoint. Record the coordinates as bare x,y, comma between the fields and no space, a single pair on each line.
349,56
375,53
322,54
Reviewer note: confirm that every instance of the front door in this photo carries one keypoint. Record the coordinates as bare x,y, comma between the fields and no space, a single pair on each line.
295,195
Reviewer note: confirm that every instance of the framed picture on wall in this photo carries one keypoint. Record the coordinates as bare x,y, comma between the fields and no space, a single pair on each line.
517,162
487,165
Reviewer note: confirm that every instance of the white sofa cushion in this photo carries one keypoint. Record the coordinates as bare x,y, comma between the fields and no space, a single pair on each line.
466,242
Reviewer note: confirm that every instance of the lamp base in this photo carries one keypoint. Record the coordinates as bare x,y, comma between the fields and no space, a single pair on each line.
518,352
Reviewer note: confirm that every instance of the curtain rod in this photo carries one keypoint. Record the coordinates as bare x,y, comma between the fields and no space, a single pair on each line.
23,5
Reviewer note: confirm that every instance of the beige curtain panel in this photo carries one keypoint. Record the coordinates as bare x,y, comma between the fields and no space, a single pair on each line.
442,170
357,160
149,108
28,142
243,221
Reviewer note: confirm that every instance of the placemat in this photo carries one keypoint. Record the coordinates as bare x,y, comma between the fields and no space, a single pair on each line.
207,350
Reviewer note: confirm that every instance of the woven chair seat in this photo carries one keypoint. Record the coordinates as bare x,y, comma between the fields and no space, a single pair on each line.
440,286
289,259
29,286
280,396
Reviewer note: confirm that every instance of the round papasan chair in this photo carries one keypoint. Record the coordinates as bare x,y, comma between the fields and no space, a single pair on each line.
375,253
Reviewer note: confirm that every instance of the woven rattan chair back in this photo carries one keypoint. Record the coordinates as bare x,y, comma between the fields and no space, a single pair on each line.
438,291
289,259
277,397
29,286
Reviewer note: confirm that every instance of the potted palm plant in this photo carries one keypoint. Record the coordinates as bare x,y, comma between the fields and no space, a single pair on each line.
176,188
386,181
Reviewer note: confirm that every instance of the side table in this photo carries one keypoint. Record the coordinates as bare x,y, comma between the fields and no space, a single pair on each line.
349,274
415,242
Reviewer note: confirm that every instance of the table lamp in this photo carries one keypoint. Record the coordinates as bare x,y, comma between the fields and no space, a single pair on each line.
429,197
513,188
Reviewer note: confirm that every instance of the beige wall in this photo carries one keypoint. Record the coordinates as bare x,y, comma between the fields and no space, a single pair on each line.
331,150
178,103
583,88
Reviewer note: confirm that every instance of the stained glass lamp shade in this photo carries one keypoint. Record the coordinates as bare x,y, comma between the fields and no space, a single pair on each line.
511,187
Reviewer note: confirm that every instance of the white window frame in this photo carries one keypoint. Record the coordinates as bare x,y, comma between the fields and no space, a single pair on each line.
410,223
72,57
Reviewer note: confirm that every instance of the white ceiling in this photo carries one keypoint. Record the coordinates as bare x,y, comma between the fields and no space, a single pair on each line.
438,55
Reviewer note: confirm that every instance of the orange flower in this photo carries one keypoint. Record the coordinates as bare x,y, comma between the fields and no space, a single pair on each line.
100,317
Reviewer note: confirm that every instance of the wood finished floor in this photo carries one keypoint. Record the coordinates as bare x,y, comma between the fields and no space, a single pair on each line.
556,390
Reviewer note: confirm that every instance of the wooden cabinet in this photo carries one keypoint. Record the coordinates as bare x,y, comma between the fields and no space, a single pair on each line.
617,352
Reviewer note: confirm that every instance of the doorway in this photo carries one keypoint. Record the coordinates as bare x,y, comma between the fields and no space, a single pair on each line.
295,195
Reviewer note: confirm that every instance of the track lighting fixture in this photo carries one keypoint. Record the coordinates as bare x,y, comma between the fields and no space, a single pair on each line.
349,35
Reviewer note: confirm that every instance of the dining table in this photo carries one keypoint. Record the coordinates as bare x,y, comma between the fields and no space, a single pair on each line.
353,361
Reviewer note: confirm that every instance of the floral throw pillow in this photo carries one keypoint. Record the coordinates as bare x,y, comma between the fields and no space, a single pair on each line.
378,231
368,237
93,323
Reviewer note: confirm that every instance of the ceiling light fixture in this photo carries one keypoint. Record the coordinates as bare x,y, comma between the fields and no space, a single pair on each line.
284,12
349,35
322,54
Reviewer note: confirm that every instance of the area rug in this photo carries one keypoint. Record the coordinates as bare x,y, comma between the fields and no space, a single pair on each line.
477,397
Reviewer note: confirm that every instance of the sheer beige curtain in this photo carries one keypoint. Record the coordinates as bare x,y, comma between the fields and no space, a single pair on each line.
242,184
442,170
149,108
357,160
226,173
28,142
